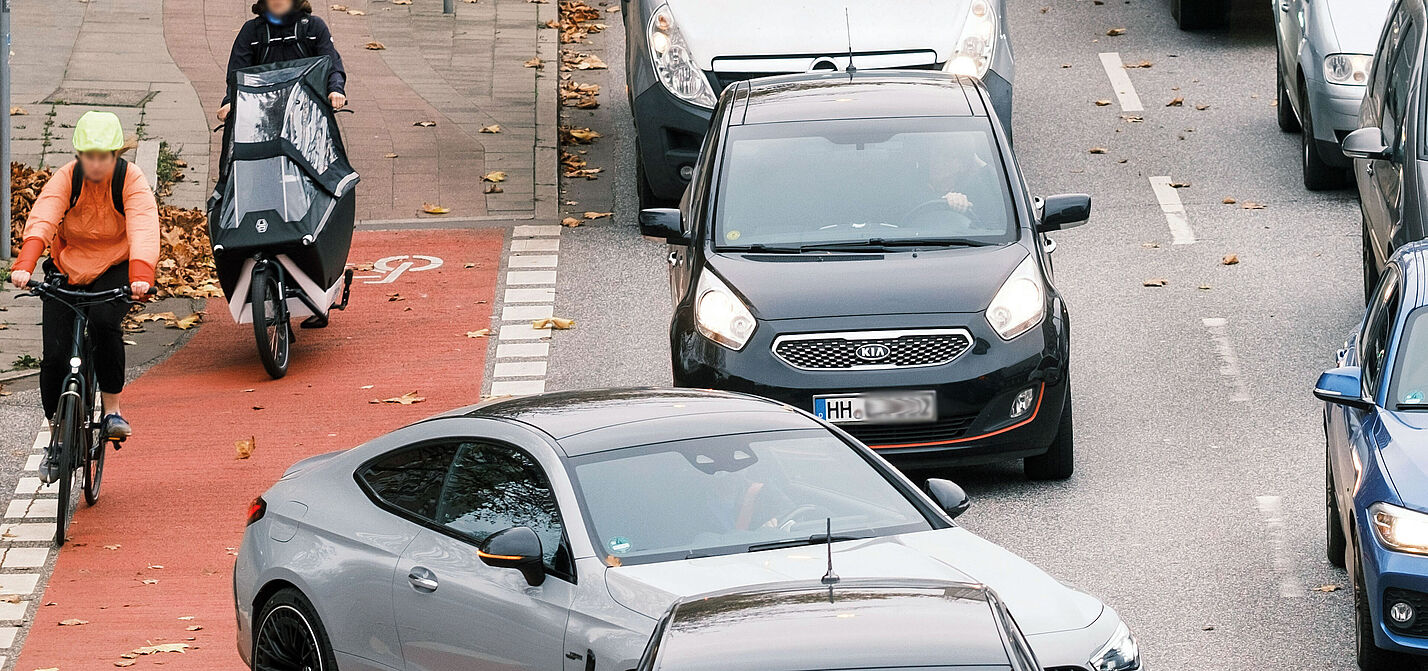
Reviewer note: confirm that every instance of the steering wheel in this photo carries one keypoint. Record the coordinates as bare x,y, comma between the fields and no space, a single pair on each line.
793,517
926,207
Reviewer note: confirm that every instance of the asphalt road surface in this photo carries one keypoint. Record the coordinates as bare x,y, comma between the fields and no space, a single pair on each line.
1197,506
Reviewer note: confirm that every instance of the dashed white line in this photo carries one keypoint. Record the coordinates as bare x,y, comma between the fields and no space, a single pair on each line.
521,349
1229,362
1175,216
1120,81
1271,510
26,542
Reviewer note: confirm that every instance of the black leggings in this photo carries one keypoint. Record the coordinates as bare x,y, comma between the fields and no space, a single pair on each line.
106,336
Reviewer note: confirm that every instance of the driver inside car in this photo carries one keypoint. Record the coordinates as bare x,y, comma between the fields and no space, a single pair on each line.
959,175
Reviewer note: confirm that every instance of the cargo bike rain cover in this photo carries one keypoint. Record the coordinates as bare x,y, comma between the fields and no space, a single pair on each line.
284,185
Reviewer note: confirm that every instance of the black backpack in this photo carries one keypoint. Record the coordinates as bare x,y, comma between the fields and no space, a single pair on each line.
76,184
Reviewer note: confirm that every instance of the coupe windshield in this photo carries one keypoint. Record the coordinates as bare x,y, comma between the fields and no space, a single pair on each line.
730,494
1409,389
863,181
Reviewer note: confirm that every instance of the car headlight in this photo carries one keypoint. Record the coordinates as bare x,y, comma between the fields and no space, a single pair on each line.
1400,529
720,315
973,54
1021,302
673,62
1351,69
1118,654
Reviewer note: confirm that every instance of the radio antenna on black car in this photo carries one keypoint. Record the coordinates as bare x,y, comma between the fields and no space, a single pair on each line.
848,22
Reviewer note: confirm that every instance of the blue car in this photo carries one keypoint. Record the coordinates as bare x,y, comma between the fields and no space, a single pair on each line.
1376,429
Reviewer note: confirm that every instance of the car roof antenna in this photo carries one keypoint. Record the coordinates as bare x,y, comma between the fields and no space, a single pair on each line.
830,578
848,22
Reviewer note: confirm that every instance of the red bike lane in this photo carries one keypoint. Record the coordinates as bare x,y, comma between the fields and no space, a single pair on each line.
151,564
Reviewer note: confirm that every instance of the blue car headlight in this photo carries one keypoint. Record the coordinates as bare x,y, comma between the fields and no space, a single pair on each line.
1120,653
1399,529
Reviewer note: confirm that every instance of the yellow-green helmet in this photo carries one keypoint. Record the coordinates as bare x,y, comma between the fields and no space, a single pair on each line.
98,131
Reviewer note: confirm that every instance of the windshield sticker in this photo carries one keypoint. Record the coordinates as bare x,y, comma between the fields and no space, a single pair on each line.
619,545
731,236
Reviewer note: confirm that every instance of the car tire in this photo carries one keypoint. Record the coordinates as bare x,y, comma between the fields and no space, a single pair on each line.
1336,544
1198,14
289,635
1319,175
1284,107
1370,657
1059,462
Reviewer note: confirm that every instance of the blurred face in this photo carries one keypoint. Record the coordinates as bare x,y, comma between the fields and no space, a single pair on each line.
280,7
98,165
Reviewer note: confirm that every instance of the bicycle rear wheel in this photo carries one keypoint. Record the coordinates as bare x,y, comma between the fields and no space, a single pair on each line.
270,319
65,445
96,444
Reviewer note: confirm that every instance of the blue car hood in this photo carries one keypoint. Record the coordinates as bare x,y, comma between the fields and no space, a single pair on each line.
1403,450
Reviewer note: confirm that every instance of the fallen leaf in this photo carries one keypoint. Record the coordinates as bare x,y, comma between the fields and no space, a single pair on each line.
1250,205
578,135
115,546
1096,150
73,622
1102,103
16,110
374,46
124,663
555,323
1202,108
570,222
1229,201
1116,32
390,156
1132,118
339,8
1179,185
597,215
433,208
493,188
1327,588
150,581
1142,64
425,124
405,399
1230,259
1175,102
535,62
401,2
1204,287
356,12
187,322
493,128
162,647
1155,282
495,176
245,446
196,627
394,297
479,333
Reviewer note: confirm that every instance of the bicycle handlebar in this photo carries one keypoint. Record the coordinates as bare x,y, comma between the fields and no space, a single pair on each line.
46,289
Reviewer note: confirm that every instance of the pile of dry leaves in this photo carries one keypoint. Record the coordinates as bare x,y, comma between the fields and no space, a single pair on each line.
577,20
185,257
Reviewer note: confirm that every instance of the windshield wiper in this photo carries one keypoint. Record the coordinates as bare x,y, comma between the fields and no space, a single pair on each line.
882,243
816,539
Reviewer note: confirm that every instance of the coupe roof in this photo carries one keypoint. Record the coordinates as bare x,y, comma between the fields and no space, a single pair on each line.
860,95
858,624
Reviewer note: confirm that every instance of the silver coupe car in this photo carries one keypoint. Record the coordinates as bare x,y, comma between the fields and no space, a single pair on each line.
554,531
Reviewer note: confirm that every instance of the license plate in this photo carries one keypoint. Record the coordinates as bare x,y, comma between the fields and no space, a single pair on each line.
877,407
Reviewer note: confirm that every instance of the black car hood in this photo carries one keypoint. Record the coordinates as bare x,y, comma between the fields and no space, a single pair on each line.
799,286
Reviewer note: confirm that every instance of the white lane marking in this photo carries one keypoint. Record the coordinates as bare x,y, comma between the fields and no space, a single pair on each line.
1271,510
537,230
521,366
534,295
523,350
525,313
1120,81
25,557
522,332
1229,362
1175,216
533,261
531,277
520,369
517,387
536,245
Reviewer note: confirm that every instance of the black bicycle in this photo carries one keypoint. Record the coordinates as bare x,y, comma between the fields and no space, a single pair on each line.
77,430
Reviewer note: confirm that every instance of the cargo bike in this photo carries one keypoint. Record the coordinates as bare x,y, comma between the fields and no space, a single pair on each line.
283,210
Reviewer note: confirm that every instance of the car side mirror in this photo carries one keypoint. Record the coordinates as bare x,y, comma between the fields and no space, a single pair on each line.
949,495
1366,143
517,548
1067,210
1343,386
664,223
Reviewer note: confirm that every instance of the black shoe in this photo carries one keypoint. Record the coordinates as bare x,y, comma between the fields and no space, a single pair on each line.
49,468
116,428
315,322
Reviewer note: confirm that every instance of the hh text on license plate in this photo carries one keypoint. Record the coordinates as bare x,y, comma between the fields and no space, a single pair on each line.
877,408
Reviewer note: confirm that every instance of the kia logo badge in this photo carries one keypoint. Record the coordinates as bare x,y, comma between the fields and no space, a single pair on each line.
873,352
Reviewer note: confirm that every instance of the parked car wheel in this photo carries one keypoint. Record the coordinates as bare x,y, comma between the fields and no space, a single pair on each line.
289,635
1284,107
1059,462
1370,656
1319,175
1198,14
1336,543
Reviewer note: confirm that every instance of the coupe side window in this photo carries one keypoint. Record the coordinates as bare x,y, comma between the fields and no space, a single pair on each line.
411,478
492,488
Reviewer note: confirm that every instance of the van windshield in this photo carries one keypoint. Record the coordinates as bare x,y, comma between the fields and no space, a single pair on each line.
864,181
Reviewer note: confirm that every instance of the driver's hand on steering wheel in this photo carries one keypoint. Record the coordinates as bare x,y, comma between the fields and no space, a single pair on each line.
958,202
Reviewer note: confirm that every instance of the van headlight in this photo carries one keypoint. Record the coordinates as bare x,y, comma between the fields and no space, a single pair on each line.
973,54
1400,529
720,315
1021,302
674,64
1347,69
1118,654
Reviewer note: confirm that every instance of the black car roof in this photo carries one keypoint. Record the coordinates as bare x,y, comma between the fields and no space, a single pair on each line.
869,623
583,422
861,95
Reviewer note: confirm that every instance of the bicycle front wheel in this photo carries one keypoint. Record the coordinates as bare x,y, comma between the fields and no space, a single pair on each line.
270,319
96,444
66,445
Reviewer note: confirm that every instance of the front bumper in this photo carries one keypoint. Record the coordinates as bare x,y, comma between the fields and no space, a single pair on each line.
1400,576
974,391
1335,110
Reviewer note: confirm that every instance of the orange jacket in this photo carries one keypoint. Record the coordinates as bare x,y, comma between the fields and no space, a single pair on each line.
93,237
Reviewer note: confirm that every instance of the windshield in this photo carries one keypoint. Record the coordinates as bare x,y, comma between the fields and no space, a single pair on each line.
1409,389
862,181
724,494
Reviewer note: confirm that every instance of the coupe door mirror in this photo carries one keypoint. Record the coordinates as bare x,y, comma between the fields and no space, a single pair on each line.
663,223
517,548
1366,143
947,494
1343,386
1067,210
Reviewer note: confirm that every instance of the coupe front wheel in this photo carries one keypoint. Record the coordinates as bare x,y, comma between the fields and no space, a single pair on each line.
290,637
1059,462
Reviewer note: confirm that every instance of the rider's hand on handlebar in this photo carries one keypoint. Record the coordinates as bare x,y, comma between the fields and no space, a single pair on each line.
223,112
19,278
140,290
338,100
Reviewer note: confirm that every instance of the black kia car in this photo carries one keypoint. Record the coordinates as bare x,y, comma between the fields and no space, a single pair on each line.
863,246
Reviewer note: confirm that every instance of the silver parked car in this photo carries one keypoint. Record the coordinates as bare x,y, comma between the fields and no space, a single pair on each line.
1325,51
554,531
680,54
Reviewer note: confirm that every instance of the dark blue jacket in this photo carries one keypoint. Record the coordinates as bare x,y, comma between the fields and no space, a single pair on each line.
260,42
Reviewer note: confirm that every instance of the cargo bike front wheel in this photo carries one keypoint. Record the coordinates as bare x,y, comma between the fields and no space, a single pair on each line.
271,323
